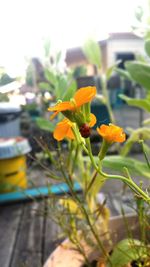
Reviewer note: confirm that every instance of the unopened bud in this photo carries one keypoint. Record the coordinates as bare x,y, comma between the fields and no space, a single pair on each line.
85,130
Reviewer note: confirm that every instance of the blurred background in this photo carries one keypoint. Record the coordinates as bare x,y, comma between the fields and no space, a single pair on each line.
43,58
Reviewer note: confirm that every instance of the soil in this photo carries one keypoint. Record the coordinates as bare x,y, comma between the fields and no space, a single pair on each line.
133,264
93,264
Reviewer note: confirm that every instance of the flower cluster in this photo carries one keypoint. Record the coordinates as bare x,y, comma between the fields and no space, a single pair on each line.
77,112
87,170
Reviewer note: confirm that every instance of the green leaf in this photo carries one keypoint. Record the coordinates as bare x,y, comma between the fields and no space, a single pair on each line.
61,86
47,48
45,124
58,57
50,76
92,51
44,86
146,122
110,70
123,73
140,103
97,185
117,163
70,91
126,251
139,72
147,47
136,135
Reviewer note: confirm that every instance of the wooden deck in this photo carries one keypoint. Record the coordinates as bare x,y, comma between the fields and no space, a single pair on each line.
27,238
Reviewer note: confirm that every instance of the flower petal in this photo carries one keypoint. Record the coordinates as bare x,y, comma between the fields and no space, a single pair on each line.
92,120
84,95
67,105
112,133
62,130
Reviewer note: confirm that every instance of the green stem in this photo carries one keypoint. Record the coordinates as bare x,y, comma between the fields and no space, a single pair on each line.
89,152
105,94
75,159
145,154
126,180
131,184
83,210
70,155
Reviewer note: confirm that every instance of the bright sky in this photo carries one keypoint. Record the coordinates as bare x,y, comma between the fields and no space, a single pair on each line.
67,23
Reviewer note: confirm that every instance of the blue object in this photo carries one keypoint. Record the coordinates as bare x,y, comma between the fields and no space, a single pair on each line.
38,192
101,113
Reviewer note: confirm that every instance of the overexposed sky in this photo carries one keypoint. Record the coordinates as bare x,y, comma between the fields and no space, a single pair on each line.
67,23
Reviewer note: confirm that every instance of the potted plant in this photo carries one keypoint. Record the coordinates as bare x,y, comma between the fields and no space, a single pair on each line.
81,217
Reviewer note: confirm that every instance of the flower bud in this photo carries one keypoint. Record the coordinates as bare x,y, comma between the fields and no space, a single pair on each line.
85,130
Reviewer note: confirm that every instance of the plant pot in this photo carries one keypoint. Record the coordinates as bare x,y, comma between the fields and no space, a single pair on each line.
66,256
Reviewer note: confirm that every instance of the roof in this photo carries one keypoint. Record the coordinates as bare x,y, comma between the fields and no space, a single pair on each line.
76,54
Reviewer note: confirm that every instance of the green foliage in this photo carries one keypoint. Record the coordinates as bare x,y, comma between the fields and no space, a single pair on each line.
139,103
117,163
139,13
79,71
147,47
58,57
111,69
47,48
45,86
136,135
123,73
126,251
45,124
139,72
4,98
134,166
50,77
5,79
30,75
70,91
62,85
92,51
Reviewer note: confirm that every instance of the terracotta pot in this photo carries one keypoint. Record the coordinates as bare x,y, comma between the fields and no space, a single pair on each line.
66,256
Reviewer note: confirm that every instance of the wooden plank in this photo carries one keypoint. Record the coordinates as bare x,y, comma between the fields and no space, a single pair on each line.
29,240
51,237
122,202
110,204
10,218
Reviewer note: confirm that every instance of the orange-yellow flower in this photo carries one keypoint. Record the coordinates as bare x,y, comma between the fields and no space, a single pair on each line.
81,97
112,133
64,128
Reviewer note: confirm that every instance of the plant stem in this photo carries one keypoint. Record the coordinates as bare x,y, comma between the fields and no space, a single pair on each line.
131,184
126,180
107,101
83,210
145,154
75,159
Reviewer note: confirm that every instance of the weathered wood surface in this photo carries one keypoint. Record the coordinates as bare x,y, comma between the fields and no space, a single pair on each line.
10,218
27,237
28,249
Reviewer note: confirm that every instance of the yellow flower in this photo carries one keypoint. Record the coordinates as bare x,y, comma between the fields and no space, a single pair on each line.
64,128
112,133
81,97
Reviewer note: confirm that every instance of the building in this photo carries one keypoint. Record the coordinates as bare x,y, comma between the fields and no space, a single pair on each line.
118,46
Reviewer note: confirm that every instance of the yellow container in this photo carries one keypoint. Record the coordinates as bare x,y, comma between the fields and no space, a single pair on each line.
13,174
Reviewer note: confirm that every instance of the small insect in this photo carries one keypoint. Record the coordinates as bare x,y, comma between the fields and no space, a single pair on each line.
85,130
